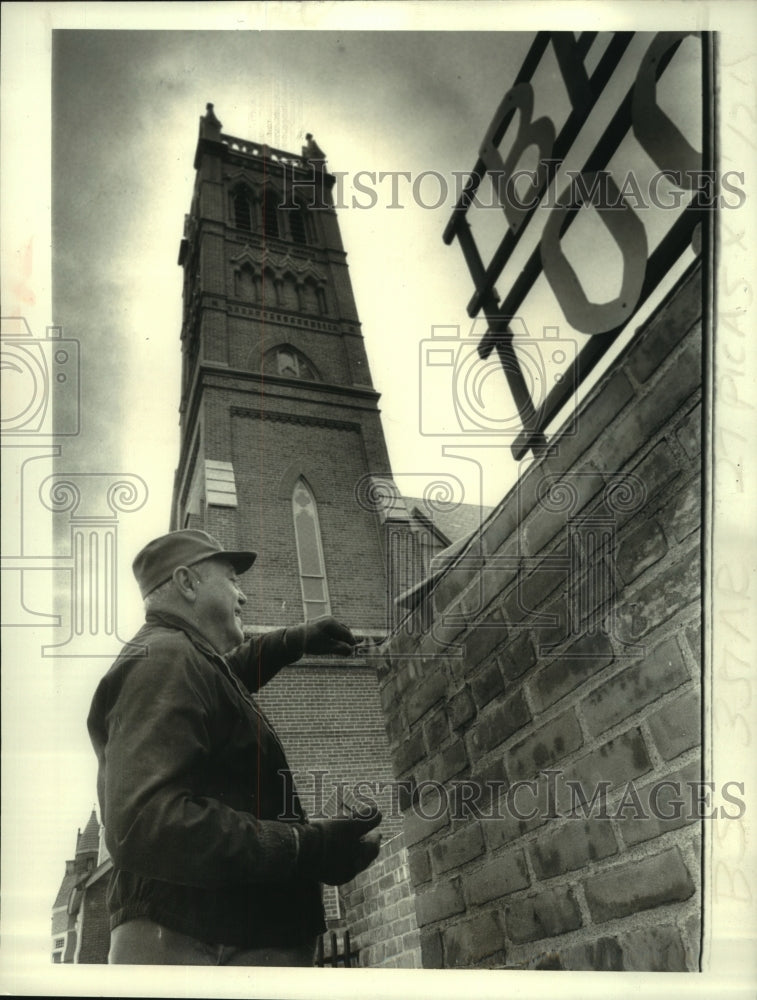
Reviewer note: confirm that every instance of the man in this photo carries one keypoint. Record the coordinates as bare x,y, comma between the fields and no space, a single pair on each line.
214,859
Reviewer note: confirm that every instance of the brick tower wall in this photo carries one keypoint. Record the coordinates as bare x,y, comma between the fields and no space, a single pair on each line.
479,696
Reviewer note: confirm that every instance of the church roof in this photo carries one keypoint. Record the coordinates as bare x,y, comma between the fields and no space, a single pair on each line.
69,881
89,840
456,523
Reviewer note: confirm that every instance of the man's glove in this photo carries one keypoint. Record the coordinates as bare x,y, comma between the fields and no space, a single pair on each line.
321,635
334,851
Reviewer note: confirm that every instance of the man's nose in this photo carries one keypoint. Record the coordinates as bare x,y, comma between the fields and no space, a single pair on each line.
241,597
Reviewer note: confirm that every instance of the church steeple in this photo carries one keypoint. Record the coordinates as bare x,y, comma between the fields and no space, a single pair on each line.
276,387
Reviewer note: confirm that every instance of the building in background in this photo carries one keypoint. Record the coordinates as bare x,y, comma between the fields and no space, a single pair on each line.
282,451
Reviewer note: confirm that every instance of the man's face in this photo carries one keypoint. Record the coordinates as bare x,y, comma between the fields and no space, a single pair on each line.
218,609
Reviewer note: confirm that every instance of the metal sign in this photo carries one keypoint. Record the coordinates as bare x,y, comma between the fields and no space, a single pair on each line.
546,201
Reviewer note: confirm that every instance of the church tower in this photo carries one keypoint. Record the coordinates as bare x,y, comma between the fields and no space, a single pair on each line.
280,436
280,425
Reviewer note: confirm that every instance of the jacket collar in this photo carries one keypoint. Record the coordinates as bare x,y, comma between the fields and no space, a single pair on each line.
169,620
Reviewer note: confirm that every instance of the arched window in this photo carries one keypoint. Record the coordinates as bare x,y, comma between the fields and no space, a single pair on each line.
309,297
289,297
307,532
298,228
270,212
288,362
244,281
242,211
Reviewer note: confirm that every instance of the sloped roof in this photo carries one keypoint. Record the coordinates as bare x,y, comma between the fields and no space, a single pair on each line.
456,522
89,840
69,881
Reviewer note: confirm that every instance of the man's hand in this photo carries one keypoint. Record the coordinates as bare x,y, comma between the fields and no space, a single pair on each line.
334,851
321,635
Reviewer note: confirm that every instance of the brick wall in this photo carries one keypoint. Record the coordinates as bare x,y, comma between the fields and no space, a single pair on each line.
329,719
381,910
565,646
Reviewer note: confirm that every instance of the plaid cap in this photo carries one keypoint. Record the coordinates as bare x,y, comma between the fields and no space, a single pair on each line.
160,557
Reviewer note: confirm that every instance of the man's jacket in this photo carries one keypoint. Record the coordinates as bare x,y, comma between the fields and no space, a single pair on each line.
192,781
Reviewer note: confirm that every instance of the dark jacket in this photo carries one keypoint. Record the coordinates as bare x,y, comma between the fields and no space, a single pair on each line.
191,780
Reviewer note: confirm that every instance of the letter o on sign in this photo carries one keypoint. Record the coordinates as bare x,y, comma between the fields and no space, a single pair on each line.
629,234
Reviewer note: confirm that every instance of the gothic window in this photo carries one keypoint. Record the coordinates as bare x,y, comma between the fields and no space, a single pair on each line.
315,595
289,296
298,224
268,293
288,362
245,284
270,212
242,211
310,303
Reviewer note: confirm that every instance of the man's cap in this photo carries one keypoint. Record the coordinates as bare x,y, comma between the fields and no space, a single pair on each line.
160,557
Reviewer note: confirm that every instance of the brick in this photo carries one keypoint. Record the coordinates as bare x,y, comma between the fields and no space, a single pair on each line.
432,689
639,550
435,730
460,708
640,422
452,760
575,845
487,684
653,949
689,435
551,626
469,941
632,689
603,955
499,877
534,589
694,639
516,657
594,416
491,780
442,900
514,508
482,639
545,746
581,661
499,573
672,589
466,844
423,819
664,807
677,727
552,912
409,752
432,955
454,582
498,723
666,329
617,762
419,865
683,514
641,885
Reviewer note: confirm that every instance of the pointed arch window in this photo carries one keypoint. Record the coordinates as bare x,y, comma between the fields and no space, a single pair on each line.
315,595
242,211
270,212
298,224
288,362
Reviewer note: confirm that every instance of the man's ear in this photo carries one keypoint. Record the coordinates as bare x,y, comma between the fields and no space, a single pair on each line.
185,582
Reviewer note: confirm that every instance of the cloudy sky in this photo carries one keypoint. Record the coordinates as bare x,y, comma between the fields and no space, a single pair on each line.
125,104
